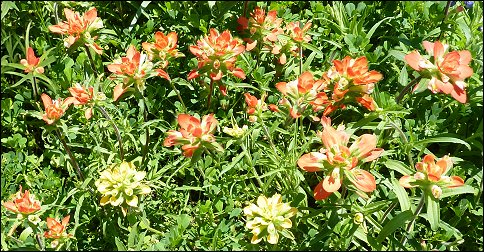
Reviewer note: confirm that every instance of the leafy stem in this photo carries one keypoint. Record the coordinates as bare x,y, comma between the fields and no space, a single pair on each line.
116,130
405,141
443,19
178,94
410,224
93,66
406,88
147,131
71,157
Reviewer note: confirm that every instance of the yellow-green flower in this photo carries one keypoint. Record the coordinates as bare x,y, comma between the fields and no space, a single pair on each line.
268,218
121,184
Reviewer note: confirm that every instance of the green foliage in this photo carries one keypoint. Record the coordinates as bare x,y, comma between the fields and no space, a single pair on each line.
197,202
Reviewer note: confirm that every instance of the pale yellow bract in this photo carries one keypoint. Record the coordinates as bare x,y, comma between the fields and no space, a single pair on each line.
268,218
121,184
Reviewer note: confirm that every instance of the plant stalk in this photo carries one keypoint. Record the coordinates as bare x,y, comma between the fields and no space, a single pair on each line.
145,118
178,94
405,141
116,130
93,66
36,91
410,224
406,88
443,19
210,94
71,157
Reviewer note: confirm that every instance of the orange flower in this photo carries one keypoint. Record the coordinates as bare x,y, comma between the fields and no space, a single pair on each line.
431,175
163,50
349,80
32,62
298,34
302,93
55,109
261,27
23,203
216,54
57,229
79,28
134,68
337,160
83,97
193,133
448,72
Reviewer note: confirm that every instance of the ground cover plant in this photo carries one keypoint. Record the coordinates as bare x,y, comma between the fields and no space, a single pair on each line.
211,125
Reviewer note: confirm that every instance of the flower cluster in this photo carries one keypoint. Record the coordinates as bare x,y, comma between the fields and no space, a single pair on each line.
266,30
216,54
339,162
268,218
54,110
57,230
79,28
431,176
135,68
31,62
447,72
349,80
193,134
255,107
121,184
302,93
23,203
162,51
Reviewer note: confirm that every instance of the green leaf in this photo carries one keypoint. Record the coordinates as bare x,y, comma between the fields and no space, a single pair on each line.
119,244
396,222
398,166
446,192
433,211
440,140
403,78
313,48
373,29
25,234
401,195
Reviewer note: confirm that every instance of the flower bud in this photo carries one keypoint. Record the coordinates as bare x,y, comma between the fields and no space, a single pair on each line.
436,191
358,218
419,176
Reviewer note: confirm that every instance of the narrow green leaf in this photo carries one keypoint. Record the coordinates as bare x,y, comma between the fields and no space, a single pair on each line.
440,140
401,195
446,192
403,78
399,166
373,29
396,222
313,48
433,211
119,244
25,234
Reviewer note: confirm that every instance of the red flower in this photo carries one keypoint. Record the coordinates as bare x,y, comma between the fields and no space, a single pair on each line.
55,109
23,203
336,156
193,133
57,229
32,62
79,27
216,54
448,72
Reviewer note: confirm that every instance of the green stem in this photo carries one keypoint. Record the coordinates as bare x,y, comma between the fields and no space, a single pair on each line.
247,155
13,228
39,241
178,94
147,131
210,94
389,209
406,88
116,130
443,19
410,224
93,66
36,91
71,157
266,131
405,141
